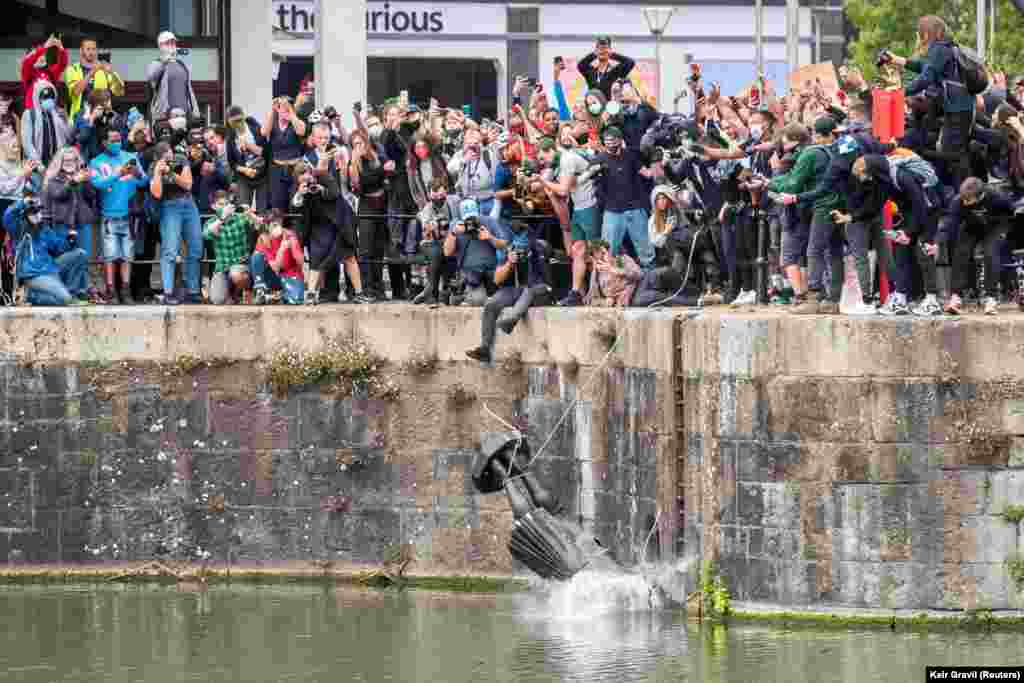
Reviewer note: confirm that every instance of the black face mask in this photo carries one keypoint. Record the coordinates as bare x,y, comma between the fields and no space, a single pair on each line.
408,127
583,139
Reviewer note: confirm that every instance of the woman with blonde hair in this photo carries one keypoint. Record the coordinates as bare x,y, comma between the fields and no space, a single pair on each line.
366,176
69,197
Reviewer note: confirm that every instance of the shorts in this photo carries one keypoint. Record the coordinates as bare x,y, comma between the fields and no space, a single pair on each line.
118,244
586,224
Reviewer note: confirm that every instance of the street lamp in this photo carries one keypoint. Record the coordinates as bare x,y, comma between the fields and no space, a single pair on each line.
657,19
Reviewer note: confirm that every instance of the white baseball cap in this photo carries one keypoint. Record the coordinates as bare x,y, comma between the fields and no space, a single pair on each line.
165,37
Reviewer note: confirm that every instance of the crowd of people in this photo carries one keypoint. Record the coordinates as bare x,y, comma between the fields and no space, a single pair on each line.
754,199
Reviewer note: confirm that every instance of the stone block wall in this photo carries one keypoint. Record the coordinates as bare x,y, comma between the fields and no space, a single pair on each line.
856,462
110,453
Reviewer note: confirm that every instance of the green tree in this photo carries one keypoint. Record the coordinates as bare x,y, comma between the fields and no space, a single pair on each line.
892,24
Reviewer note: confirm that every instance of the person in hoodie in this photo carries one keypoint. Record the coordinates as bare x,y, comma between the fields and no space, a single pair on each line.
637,115
52,270
69,197
978,215
917,196
118,175
46,62
170,81
939,70
680,249
44,128
437,218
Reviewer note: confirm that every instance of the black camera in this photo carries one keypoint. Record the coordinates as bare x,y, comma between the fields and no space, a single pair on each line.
330,112
442,225
520,253
106,118
357,106
472,226
315,188
884,57
103,57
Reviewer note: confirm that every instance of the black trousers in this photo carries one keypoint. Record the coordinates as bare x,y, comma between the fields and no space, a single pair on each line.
519,299
142,273
993,241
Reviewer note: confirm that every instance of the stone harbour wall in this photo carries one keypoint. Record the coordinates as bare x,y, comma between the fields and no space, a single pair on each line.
816,460
119,447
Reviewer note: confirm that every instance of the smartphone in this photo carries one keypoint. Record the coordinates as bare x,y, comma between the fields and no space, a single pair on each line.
560,60
403,98
532,82
104,57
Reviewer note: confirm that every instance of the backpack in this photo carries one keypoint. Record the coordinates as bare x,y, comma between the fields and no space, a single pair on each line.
971,69
902,158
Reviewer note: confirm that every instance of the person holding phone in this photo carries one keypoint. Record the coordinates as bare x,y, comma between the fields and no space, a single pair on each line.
91,73
602,67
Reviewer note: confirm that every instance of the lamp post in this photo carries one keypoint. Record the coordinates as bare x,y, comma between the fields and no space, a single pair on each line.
657,19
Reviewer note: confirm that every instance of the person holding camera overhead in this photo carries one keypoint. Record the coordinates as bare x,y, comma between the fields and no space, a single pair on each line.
93,121
170,81
171,185
366,177
284,131
602,67
117,174
247,154
93,72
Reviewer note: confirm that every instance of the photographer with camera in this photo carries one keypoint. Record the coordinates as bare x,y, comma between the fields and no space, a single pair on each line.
939,69
94,119
284,130
171,185
575,181
208,166
117,175
69,198
229,231
681,246
522,281
248,156
327,230
437,217
476,240
169,81
51,269
92,72
277,262
46,62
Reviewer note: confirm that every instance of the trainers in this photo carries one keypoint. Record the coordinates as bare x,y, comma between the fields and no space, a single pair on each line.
740,300
259,296
862,308
425,297
312,298
929,306
808,305
572,299
364,298
480,354
507,325
895,305
954,305
991,305
828,307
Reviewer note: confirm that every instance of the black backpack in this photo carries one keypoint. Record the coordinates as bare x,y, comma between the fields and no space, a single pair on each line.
971,69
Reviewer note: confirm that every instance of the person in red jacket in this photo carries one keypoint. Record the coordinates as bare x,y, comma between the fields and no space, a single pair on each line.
49,60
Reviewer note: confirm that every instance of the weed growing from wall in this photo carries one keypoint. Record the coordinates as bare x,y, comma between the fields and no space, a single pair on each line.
715,592
348,366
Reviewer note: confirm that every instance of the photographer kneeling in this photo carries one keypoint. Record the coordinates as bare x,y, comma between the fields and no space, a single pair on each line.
522,281
277,263
475,241
229,231
52,270
437,218
678,245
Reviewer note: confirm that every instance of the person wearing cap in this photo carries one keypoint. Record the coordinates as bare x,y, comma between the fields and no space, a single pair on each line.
247,154
811,167
170,81
602,67
476,240
626,193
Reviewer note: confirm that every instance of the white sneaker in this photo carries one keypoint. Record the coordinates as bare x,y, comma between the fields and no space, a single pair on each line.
928,307
862,309
991,306
740,299
896,304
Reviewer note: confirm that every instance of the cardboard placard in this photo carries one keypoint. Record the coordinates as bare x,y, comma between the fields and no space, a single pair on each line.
805,77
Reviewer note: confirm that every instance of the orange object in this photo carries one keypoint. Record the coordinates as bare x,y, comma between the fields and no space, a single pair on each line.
887,112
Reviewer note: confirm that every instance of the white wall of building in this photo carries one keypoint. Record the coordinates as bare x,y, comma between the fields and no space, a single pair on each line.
130,63
252,85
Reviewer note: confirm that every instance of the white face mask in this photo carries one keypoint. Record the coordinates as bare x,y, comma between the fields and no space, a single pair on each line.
177,123
35,218
756,132
168,51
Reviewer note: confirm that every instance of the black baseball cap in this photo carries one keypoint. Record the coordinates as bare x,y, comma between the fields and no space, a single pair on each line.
826,125
604,41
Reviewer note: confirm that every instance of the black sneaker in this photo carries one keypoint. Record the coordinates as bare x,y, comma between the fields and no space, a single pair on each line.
573,299
193,299
259,296
507,325
480,354
425,297
364,298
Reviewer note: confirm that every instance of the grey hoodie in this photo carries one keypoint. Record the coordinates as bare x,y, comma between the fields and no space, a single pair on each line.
155,77
32,126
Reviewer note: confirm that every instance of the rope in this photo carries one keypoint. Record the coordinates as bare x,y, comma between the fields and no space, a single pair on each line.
686,277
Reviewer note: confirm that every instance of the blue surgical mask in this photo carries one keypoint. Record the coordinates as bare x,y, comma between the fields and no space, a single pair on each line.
114,147
49,104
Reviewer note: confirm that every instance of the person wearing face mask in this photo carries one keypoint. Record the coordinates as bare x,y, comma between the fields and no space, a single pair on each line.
422,167
118,176
50,268
626,197
170,81
283,129
44,128
811,166
437,216
144,227
212,171
248,156
277,263
401,125
474,169
93,121
366,176
637,115
602,67
229,231
978,215
594,109
46,62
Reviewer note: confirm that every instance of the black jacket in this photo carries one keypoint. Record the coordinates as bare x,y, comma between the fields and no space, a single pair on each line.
603,82
70,204
975,219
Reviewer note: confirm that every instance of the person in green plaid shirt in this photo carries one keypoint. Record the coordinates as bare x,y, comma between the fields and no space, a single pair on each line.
229,232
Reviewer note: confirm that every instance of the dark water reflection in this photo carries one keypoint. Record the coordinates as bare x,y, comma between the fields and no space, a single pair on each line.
301,635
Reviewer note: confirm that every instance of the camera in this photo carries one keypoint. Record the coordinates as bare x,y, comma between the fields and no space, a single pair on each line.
884,57
103,57
315,188
105,118
357,106
520,253
472,226
177,166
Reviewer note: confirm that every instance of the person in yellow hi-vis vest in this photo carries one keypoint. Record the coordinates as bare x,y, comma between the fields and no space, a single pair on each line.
92,73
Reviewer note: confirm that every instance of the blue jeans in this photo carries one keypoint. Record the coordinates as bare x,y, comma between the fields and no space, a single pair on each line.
84,241
179,219
59,289
264,276
618,224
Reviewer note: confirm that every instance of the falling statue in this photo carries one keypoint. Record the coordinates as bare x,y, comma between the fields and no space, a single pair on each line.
549,545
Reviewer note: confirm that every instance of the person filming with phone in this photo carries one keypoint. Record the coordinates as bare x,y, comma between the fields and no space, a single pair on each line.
92,72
